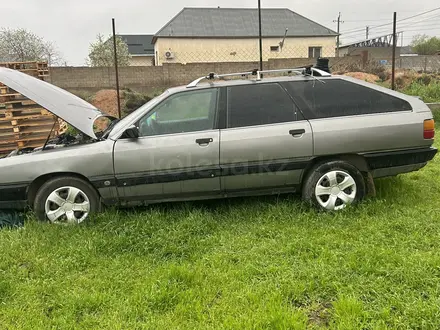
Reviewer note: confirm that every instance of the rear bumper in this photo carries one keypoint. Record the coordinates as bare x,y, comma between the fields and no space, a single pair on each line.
383,160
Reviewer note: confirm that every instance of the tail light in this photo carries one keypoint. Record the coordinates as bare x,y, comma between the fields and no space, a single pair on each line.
428,129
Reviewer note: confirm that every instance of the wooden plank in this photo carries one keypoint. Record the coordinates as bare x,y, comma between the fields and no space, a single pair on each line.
25,116
22,140
27,132
13,130
11,95
24,109
22,102
31,123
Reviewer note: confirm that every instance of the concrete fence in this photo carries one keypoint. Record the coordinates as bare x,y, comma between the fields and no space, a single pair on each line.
435,107
422,63
151,78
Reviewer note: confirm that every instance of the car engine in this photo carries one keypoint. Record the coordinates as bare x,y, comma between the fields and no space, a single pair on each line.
61,141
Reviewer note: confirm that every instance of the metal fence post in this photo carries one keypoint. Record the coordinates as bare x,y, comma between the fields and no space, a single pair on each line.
393,75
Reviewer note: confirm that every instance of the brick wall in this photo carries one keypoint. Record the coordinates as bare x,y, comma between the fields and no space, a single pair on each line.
147,79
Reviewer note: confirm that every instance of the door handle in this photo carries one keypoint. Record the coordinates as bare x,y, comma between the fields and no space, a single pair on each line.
204,141
294,132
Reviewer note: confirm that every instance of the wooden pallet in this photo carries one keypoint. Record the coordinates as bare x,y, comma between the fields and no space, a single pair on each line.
24,123
33,68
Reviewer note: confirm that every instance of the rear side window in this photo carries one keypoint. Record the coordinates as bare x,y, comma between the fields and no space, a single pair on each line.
260,104
338,98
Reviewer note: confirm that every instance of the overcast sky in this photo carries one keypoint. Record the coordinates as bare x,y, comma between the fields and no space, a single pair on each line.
73,25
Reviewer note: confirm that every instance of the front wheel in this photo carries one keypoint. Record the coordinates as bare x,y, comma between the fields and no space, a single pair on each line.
68,200
334,185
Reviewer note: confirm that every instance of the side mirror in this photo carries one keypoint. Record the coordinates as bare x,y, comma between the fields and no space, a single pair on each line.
132,132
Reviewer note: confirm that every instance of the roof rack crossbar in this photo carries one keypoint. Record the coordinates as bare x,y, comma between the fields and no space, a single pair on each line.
306,71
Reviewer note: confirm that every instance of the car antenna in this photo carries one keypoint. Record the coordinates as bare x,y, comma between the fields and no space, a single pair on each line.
50,133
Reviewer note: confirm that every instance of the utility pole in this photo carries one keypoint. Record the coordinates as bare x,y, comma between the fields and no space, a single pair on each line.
260,35
339,23
393,72
116,67
366,32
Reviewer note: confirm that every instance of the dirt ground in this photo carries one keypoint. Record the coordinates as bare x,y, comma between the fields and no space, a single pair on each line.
106,101
371,78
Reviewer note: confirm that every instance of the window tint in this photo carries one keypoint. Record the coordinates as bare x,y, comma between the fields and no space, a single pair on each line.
341,98
183,112
259,105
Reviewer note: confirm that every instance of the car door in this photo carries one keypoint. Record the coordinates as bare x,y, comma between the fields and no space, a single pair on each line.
266,143
177,153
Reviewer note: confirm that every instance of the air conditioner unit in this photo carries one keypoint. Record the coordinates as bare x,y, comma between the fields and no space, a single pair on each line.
169,55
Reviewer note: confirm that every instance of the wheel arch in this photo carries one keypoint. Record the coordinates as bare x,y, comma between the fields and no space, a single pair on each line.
354,159
38,182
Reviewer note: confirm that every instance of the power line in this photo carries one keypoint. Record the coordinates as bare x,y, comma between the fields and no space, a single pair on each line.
419,30
401,20
368,20
422,21
401,28
407,18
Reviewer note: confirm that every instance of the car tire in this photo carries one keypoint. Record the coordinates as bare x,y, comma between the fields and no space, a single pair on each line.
66,200
333,185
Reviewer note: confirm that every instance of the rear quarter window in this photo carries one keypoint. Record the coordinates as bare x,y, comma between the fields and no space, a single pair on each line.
338,98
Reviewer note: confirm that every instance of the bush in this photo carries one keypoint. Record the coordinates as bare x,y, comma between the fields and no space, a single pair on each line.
377,69
85,95
424,79
429,93
134,100
372,67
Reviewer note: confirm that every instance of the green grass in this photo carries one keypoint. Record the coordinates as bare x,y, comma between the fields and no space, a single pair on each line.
429,93
251,263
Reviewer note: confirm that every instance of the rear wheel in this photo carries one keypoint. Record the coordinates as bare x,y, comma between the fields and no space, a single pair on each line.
66,200
334,185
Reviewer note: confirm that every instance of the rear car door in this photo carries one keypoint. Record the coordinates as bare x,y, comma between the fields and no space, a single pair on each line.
177,153
266,142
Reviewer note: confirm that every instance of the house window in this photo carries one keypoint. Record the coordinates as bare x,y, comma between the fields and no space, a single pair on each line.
315,52
274,48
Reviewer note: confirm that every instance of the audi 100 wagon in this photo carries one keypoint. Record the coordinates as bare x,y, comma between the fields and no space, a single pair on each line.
267,132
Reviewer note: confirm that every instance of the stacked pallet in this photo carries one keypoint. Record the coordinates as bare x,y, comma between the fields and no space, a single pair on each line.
23,123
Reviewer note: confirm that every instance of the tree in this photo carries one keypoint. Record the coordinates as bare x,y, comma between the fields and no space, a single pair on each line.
425,45
102,52
20,45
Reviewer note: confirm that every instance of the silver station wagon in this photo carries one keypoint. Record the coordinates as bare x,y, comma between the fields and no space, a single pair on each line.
295,130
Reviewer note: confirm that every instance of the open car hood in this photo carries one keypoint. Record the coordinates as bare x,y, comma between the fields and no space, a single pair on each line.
72,109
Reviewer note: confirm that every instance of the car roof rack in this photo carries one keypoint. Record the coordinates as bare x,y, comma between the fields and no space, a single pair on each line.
306,71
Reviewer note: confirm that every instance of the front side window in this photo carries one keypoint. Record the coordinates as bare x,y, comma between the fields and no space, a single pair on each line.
180,113
261,104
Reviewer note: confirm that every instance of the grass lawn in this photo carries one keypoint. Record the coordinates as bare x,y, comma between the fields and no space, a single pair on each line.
251,263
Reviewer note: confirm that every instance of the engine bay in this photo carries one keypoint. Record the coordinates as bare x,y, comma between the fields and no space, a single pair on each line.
61,141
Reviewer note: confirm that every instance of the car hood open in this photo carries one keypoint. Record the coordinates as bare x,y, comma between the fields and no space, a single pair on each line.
72,109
